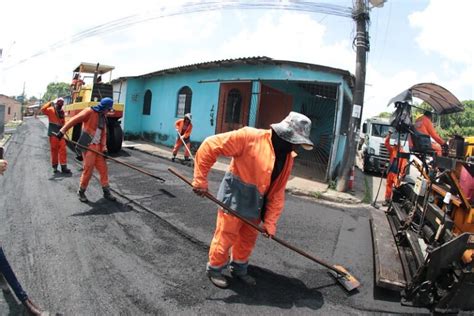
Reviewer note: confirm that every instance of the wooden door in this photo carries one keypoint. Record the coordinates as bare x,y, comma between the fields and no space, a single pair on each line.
234,106
274,106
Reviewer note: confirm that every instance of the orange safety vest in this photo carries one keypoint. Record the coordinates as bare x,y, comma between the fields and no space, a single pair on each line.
90,122
55,122
424,125
248,179
179,126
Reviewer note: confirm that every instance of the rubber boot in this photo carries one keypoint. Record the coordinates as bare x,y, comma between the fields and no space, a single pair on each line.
65,169
173,158
82,195
32,308
187,159
108,195
55,169
218,279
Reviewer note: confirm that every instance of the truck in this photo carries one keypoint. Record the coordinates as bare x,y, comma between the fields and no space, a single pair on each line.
88,93
375,157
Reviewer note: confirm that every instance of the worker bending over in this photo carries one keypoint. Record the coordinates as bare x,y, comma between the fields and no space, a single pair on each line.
254,186
393,179
183,127
54,111
94,137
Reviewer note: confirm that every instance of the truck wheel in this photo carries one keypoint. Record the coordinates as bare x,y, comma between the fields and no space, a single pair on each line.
114,138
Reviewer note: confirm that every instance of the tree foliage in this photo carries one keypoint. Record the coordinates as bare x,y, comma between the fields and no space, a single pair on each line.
55,90
458,123
384,115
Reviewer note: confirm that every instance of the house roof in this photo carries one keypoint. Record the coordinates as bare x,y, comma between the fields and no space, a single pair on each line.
259,60
6,100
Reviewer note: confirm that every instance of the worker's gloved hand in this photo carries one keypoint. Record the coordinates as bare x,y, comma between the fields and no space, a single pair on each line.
200,191
59,135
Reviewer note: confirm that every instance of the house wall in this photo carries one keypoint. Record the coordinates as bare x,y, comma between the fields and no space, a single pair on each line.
12,108
159,125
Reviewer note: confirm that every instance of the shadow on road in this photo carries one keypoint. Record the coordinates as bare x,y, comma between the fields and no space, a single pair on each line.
104,207
273,289
14,307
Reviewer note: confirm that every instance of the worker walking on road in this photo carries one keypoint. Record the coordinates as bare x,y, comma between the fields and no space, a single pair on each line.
425,126
254,186
54,111
8,277
183,127
93,136
393,178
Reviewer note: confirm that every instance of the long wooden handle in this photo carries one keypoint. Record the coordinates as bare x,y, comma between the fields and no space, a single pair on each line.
116,160
261,230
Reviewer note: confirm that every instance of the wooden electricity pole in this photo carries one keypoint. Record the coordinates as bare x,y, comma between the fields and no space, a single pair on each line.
361,17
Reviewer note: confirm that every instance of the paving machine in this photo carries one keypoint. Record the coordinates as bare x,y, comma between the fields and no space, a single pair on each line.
424,242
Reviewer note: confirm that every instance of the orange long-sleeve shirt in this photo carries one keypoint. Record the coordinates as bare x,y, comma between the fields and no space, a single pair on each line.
248,179
424,125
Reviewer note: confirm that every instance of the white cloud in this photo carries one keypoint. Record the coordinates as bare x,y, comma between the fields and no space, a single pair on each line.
445,28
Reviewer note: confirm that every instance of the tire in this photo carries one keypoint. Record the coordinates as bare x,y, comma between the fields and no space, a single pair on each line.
114,137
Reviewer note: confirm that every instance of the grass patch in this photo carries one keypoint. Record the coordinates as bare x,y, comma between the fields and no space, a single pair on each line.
317,194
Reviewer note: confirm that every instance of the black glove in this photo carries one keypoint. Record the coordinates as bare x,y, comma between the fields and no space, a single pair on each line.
59,135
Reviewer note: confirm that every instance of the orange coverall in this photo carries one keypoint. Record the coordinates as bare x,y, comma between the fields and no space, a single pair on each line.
392,176
245,184
424,125
90,125
58,146
185,134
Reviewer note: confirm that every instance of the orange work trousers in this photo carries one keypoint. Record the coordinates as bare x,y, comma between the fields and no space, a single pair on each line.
92,160
392,180
231,232
178,145
58,150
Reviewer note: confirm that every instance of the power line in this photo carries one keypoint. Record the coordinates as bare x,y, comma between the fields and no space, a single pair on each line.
193,7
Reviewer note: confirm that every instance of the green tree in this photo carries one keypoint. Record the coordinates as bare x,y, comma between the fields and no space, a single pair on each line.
55,90
384,115
461,123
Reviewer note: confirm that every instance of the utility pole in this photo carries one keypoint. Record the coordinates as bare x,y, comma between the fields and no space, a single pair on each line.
361,17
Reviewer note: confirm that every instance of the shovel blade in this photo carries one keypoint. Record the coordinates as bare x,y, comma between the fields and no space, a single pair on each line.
348,281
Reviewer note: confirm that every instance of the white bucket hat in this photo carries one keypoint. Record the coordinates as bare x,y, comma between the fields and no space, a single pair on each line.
295,129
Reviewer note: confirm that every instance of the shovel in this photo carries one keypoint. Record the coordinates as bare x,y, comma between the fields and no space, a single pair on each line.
348,281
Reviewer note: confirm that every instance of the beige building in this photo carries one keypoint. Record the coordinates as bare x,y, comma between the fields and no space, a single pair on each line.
12,108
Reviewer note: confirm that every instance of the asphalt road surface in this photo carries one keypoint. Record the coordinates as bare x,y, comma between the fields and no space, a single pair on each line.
146,253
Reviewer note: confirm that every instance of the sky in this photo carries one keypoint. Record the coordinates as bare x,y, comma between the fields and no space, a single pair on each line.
411,41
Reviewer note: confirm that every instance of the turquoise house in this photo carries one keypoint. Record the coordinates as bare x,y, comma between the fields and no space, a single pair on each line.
228,94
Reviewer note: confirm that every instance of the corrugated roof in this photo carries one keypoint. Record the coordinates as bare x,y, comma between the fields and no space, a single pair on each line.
259,60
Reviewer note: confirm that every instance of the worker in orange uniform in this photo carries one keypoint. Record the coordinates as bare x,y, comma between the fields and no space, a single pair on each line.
254,186
393,178
425,126
93,136
54,111
75,86
183,127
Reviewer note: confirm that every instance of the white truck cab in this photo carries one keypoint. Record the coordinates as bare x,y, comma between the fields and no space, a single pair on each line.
374,154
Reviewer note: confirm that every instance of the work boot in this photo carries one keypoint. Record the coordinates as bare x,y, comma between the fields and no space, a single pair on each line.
82,195
218,279
32,308
386,202
187,159
65,169
55,169
245,278
108,195
173,158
